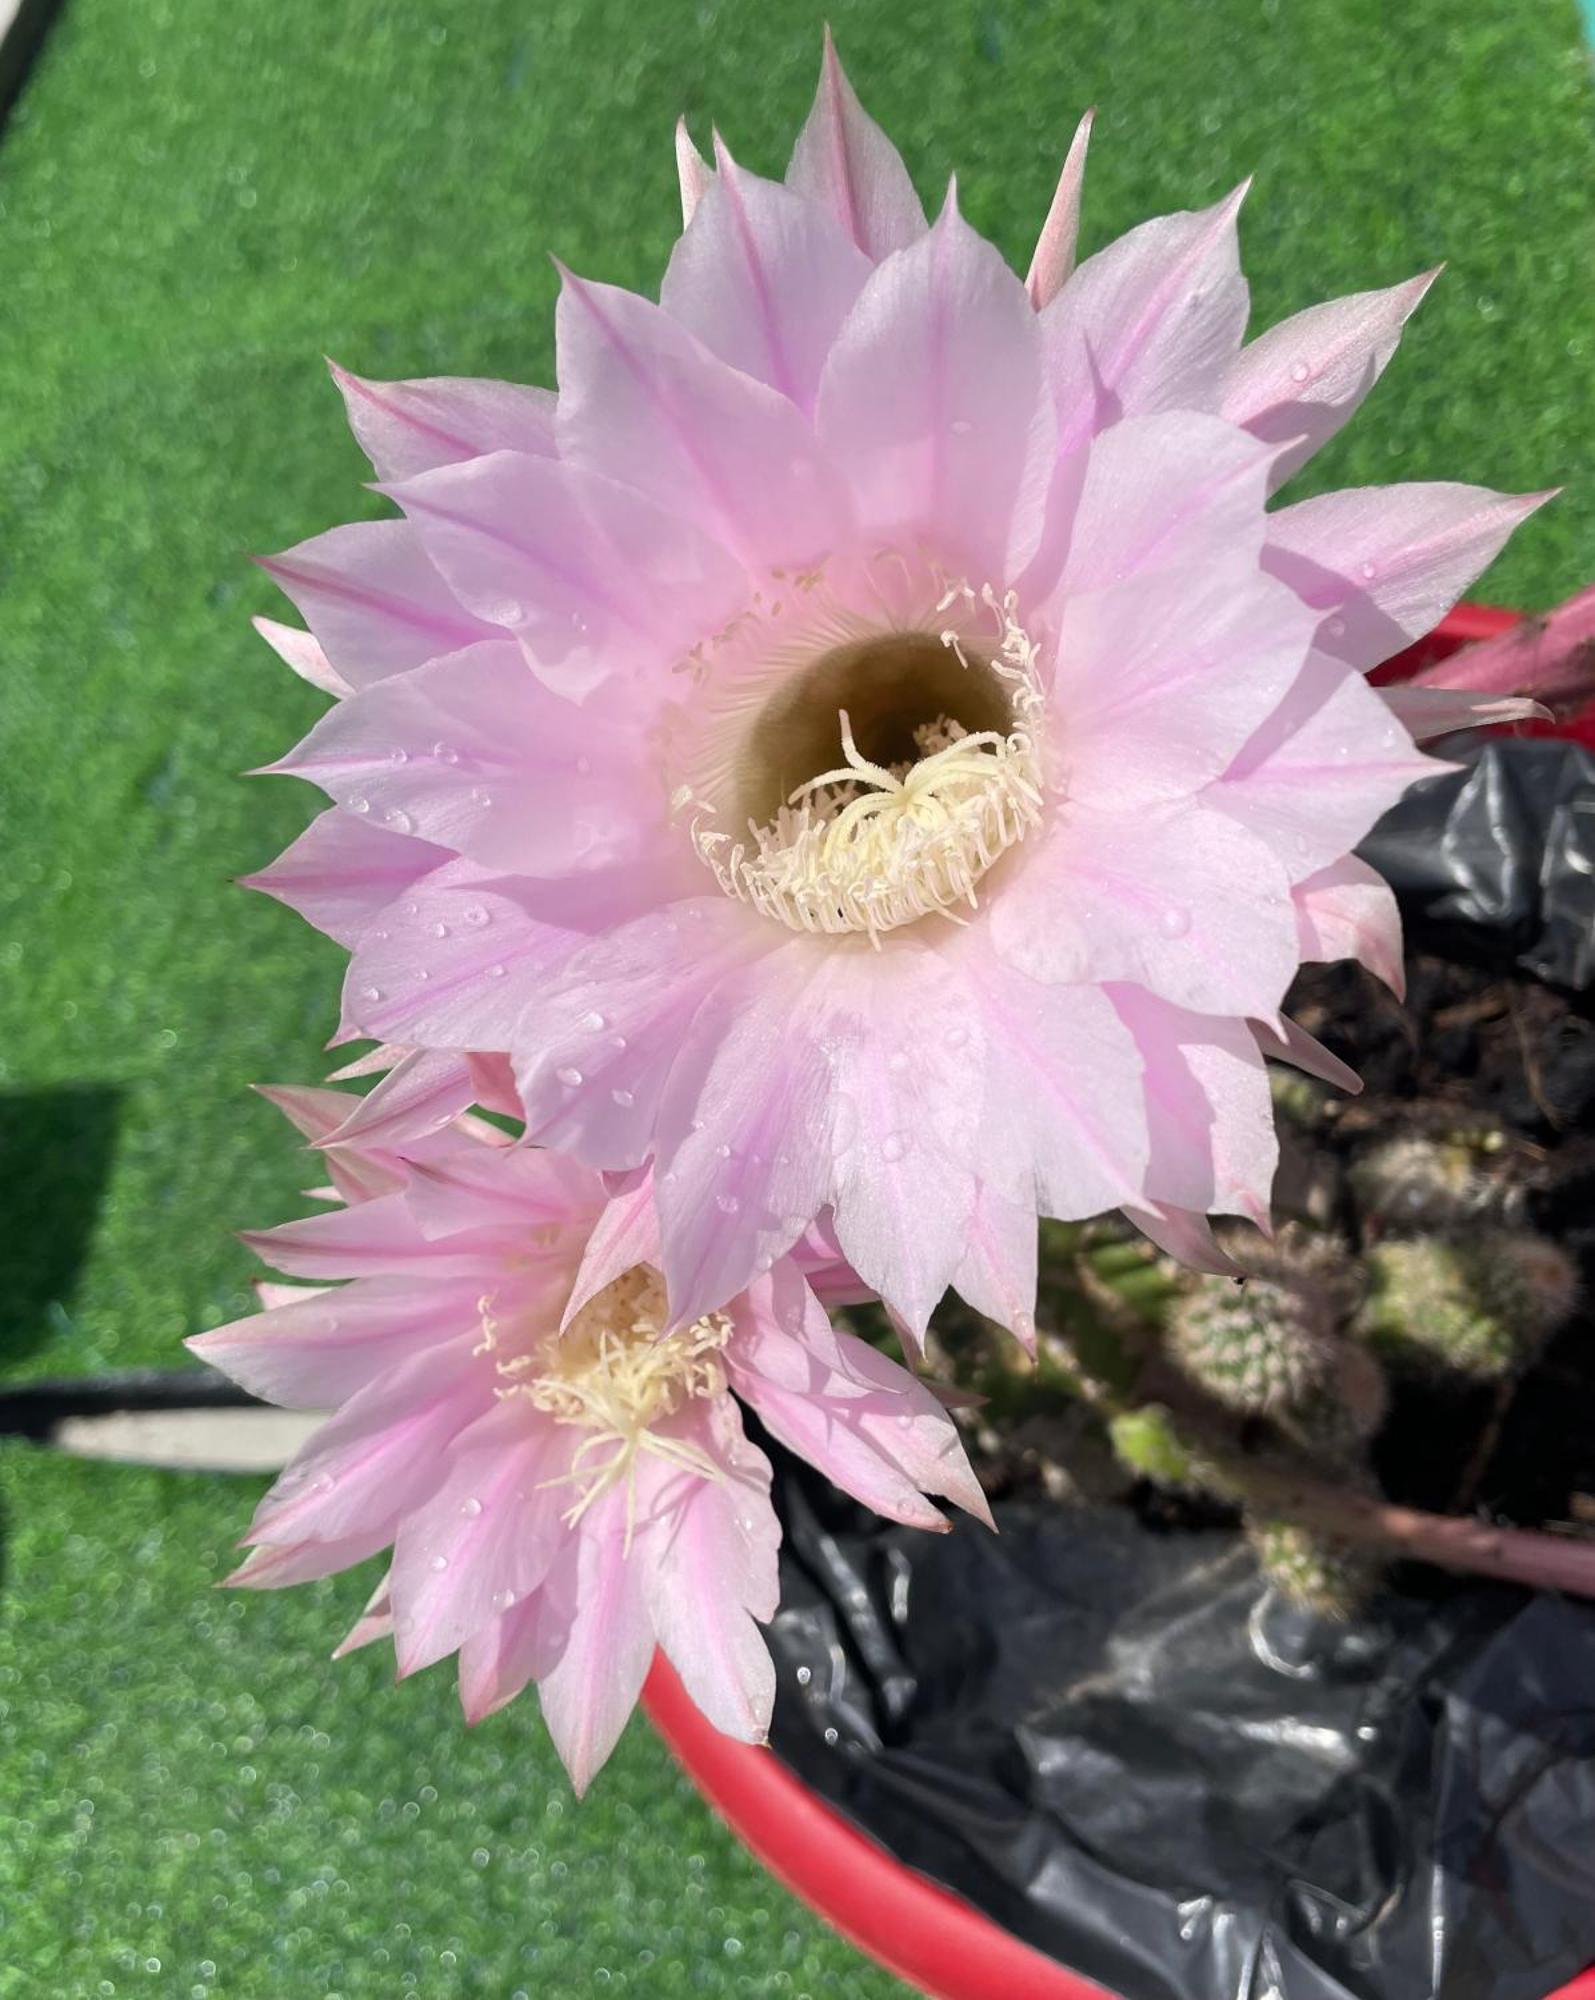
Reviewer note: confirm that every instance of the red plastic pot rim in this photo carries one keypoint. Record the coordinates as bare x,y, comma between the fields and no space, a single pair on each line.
900,1918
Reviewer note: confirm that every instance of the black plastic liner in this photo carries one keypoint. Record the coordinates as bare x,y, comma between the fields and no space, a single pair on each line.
1126,1750
1497,861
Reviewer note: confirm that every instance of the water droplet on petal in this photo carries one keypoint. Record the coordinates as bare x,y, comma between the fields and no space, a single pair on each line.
1336,628
373,993
1299,371
440,1562
591,1022
470,1508
623,1098
503,1599
495,972
832,1738
412,909
400,820
444,754
478,915
1367,571
727,1204
722,1152
358,805
1024,1325
398,756
804,1676
893,1146
1175,921
569,1077
620,1043
440,930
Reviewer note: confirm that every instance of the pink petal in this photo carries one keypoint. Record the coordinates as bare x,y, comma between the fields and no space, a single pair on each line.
1551,656
1208,1103
381,1455
424,1091
997,1273
1427,712
473,753
1184,1236
1053,264
1151,323
497,1661
1347,911
486,1536
356,1175
1298,383
1064,1127
711,1574
590,1691
1383,564
764,279
1321,770
641,401
693,171
304,655
320,1350
373,600
1177,898
453,963
845,163
625,1235
595,1046
274,1568
1304,1052
520,1190
342,870
374,1623
408,427
849,1411
370,1240
931,400
592,578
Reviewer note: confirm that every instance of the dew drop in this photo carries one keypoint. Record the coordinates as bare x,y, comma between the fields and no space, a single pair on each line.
360,805
1336,628
440,930
444,754
412,909
961,427
623,1098
398,756
471,1508
620,1044
832,1738
893,1146
373,992
422,974
440,1562
476,914
804,1676
1024,1325
569,1077
1367,571
1299,371
722,1152
1175,921
591,1023
480,796
495,972
503,1599
727,1204
400,820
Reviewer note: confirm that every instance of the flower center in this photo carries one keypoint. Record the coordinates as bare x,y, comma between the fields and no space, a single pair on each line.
612,1374
880,784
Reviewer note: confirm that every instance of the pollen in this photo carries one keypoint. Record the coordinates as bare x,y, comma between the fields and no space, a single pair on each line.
616,1375
868,846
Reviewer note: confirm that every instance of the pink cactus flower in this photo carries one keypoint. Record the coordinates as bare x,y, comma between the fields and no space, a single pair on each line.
559,1468
866,747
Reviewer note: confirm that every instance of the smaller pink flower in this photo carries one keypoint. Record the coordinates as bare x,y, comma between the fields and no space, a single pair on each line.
562,1475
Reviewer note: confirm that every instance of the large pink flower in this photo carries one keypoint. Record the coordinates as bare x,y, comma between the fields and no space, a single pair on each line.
560,1470
865,746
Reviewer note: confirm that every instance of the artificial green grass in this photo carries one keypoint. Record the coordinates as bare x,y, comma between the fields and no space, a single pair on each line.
196,201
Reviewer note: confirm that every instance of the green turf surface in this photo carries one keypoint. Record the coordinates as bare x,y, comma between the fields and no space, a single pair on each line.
197,199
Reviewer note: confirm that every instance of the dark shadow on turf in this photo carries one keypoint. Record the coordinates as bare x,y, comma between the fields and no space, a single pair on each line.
56,1148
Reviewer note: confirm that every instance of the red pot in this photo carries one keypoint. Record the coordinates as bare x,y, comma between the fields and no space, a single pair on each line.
907,1923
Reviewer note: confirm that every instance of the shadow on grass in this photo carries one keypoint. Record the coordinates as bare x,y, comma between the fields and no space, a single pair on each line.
56,1148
